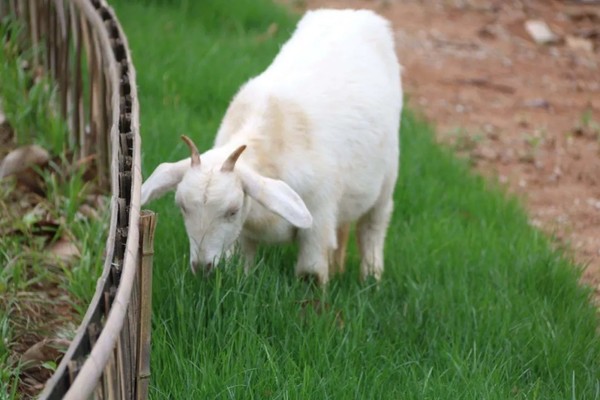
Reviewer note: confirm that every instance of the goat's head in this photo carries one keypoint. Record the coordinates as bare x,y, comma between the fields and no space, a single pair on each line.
214,207
214,199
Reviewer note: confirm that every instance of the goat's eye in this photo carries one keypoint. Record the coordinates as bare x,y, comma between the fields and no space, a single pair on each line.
231,212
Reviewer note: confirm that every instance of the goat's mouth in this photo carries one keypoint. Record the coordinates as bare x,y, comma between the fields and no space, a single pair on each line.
206,268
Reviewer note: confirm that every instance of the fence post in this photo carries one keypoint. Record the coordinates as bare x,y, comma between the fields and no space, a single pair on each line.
146,248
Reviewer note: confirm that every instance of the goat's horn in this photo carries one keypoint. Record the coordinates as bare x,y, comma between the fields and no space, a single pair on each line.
193,149
230,162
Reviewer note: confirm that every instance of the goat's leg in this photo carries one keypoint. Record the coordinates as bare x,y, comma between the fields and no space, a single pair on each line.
316,243
371,230
248,247
337,260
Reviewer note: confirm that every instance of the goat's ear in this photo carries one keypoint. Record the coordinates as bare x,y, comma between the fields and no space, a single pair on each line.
277,197
165,178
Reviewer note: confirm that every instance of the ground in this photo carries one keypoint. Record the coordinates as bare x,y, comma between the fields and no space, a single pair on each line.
525,113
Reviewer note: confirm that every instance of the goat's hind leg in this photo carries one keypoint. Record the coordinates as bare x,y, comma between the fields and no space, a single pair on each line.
337,258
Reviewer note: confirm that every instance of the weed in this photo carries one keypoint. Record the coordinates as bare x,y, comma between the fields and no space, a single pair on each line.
463,141
28,98
534,142
590,124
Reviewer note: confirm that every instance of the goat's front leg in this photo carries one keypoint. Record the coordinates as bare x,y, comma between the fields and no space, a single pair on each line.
315,244
248,247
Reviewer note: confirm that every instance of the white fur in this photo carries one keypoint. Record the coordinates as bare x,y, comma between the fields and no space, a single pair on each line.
321,126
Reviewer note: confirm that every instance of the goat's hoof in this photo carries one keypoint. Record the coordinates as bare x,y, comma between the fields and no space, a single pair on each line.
372,274
313,278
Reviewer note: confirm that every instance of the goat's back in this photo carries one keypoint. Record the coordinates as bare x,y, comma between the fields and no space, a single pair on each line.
333,53
336,83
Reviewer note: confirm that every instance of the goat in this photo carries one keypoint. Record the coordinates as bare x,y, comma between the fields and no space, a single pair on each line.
306,148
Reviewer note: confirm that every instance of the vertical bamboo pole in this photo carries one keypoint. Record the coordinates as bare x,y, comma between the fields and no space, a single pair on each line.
45,32
34,29
77,92
146,248
63,82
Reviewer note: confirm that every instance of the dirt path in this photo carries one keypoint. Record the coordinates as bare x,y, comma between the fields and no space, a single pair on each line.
526,113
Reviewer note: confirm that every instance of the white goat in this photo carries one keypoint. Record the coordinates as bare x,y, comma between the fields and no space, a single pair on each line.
321,131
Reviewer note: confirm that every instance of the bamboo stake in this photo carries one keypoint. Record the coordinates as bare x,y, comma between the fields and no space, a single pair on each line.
147,227
63,82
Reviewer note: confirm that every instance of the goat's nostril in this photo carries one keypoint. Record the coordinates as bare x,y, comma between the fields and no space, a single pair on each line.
209,266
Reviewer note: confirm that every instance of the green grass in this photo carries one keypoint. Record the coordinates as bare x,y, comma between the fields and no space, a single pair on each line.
473,304
29,102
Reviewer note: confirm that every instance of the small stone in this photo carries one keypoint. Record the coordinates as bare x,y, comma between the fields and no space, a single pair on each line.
556,174
540,32
23,158
486,153
539,164
580,44
535,223
557,171
507,156
594,203
45,350
64,250
537,103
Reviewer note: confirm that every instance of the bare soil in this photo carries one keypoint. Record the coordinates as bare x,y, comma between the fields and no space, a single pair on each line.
526,114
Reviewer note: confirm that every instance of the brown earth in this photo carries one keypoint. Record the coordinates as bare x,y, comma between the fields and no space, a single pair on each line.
525,113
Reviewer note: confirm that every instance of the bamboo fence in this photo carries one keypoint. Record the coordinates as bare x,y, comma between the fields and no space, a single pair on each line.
81,45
